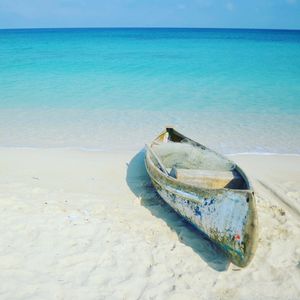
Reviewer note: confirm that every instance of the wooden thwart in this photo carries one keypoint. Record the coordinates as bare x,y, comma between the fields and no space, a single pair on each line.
208,178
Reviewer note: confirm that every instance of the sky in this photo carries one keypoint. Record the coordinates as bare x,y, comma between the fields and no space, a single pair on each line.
272,14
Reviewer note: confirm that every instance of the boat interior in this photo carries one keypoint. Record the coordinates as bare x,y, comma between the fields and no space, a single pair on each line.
194,164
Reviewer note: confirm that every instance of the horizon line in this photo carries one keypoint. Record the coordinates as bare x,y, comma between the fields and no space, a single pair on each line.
150,27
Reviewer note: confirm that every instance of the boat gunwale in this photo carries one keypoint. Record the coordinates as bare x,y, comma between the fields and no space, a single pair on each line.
189,186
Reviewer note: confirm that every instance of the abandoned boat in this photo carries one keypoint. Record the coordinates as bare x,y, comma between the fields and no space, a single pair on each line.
208,190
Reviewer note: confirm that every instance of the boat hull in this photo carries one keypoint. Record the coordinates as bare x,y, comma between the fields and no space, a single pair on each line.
228,217
220,217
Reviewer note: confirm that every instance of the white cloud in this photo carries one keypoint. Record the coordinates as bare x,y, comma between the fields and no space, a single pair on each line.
230,6
204,3
181,6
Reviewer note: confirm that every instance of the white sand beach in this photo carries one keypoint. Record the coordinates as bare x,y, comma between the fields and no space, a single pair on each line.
88,225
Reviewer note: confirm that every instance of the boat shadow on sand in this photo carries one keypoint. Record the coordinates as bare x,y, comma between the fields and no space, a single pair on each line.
140,184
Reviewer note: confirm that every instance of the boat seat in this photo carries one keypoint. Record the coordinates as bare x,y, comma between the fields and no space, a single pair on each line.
210,179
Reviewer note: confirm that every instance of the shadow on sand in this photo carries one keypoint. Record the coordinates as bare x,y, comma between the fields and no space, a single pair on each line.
140,184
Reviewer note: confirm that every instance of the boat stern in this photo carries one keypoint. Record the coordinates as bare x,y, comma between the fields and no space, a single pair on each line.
241,247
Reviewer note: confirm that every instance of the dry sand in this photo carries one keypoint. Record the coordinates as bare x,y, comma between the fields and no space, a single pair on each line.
88,225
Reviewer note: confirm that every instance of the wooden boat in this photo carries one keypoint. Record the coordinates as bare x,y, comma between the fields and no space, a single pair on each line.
208,190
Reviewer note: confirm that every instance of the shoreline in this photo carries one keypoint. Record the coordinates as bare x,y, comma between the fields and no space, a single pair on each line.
77,224
120,151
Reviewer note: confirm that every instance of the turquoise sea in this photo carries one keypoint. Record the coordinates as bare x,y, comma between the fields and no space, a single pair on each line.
115,89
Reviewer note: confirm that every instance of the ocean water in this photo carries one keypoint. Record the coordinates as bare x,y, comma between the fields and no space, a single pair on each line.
115,89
